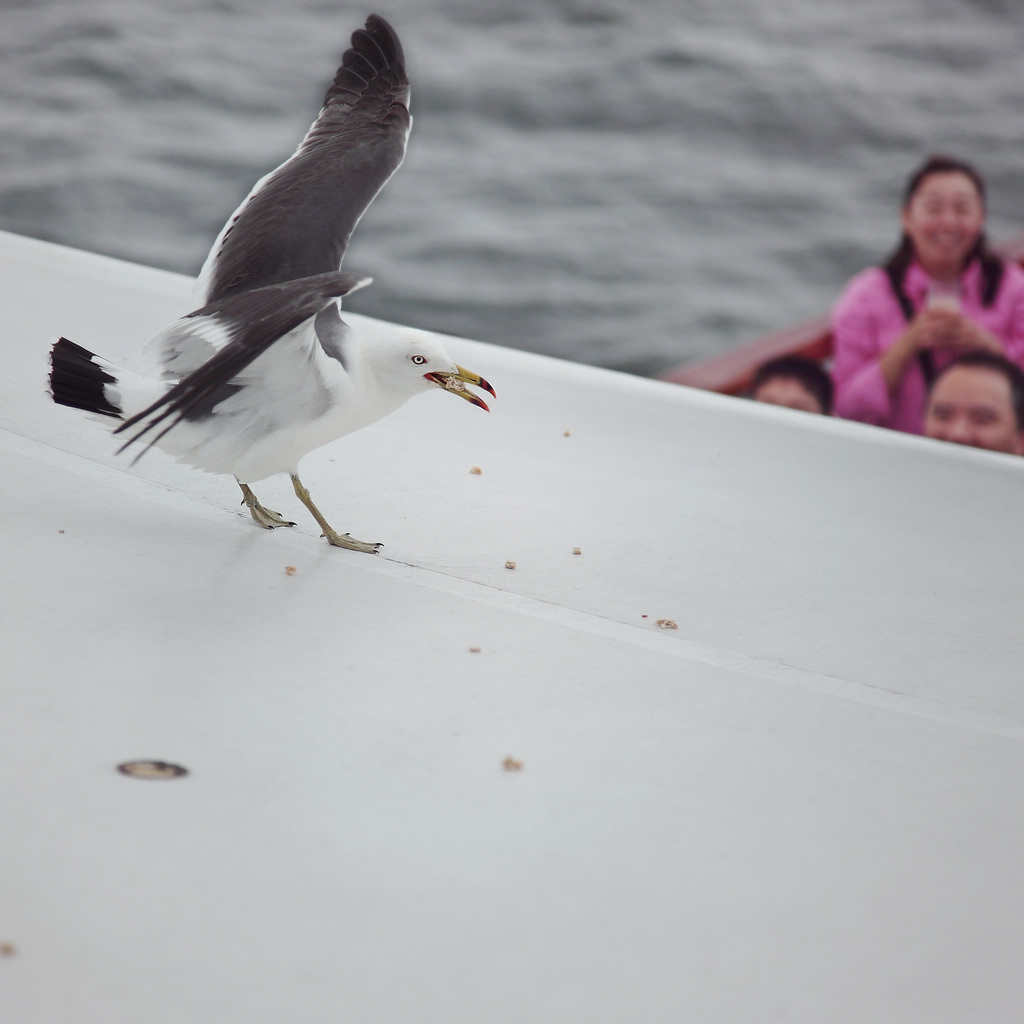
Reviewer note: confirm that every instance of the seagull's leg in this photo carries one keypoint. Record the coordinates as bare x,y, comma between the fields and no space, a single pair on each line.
339,540
264,516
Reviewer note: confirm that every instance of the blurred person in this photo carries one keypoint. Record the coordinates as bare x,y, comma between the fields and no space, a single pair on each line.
941,293
978,400
793,382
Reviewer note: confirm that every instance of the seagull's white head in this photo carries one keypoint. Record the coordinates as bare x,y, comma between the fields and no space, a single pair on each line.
415,361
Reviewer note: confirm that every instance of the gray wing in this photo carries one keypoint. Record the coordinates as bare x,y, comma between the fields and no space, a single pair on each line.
297,221
188,343
240,328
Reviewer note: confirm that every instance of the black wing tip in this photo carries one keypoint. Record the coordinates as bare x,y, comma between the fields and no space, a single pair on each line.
375,53
379,30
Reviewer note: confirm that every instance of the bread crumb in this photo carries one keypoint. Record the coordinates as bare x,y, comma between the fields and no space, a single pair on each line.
667,624
510,764
566,434
577,551
60,531
474,650
476,470
290,570
510,565
8,948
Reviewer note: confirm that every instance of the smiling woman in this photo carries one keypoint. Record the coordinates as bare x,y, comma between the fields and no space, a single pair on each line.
944,219
942,293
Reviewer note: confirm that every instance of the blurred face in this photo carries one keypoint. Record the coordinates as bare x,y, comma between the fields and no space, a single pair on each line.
973,405
788,392
944,219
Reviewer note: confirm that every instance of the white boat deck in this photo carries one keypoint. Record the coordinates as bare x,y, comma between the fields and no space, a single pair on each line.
803,804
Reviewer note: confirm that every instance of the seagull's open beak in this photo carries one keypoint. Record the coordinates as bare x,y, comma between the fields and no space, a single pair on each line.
456,383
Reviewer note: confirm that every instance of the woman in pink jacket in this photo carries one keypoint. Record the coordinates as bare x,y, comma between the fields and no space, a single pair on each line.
941,293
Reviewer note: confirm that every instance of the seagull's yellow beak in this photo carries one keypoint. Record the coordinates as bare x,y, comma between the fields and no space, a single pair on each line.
456,383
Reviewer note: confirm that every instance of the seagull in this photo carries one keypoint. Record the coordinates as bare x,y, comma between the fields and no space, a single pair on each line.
265,370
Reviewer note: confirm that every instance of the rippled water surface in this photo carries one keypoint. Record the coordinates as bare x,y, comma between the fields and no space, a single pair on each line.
628,184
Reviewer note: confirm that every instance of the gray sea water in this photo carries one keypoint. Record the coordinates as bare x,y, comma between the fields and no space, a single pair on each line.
629,183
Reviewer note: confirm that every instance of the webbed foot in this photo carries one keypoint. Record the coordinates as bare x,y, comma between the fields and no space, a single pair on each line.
339,540
346,540
265,517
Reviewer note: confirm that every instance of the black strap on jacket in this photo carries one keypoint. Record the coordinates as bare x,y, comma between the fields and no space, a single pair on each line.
925,358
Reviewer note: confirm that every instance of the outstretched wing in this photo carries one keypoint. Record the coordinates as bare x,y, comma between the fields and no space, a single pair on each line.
297,221
241,327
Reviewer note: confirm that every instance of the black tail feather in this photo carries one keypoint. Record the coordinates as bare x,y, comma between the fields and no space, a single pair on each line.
77,380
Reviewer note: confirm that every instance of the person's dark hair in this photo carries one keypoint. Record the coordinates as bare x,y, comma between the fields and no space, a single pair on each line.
899,261
809,373
990,361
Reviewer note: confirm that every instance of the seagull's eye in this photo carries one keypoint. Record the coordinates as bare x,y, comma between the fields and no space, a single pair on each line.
419,360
